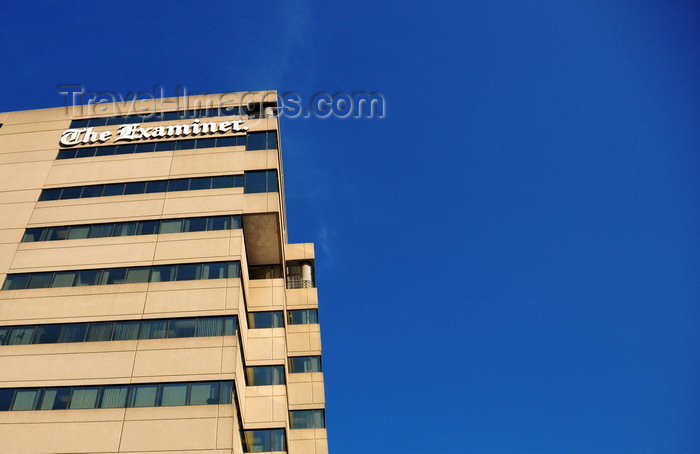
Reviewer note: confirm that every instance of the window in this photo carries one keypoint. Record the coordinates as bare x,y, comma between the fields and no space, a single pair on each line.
261,181
6,399
251,182
113,396
307,419
175,394
266,140
304,364
264,375
26,399
264,440
55,399
302,316
271,319
131,275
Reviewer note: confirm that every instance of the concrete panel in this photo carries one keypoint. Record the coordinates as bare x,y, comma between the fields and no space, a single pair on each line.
61,437
302,298
117,168
85,211
15,197
211,161
108,302
177,361
15,215
7,252
224,433
33,175
266,294
213,247
11,236
169,435
259,409
224,201
30,141
186,297
48,155
299,251
303,339
90,253
32,369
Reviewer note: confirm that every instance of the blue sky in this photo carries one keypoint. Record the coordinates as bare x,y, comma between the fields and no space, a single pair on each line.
508,262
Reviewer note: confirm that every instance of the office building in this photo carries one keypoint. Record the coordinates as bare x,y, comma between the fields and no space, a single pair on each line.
150,301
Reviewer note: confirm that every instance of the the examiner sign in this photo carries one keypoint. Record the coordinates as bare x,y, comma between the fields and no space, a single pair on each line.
134,131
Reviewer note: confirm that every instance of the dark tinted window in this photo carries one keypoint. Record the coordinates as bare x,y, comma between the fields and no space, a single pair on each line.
106,151
307,419
40,280
200,183
145,147
113,189
165,146
92,191
66,154
156,186
256,141
50,194
188,272
6,398
57,233
125,149
264,375
304,364
148,227
138,187
46,334
31,235
222,182
181,184
85,152
271,319
302,316
71,193
195,225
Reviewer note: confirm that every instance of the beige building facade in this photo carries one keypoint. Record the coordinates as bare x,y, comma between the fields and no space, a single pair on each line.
150,300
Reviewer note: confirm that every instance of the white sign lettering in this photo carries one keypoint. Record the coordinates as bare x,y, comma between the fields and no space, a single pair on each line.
135,131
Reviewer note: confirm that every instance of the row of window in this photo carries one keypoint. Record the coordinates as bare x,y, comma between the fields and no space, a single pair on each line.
265,140
264,440
304,364
157,329
307,419
273,440
119,330
275,319
274,375
116,396
160,329
158,116
73,232
127,275
265,272
251,182
264,375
